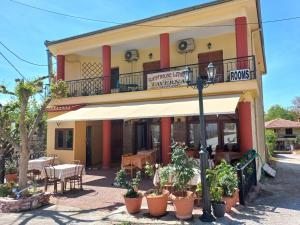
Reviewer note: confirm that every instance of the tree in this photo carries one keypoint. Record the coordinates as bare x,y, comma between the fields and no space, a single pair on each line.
270,140
24,92
277,111
296,105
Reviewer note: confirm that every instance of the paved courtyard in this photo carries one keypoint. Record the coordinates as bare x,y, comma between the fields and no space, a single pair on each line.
101,203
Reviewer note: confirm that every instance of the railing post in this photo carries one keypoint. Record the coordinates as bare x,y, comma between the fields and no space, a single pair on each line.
241,183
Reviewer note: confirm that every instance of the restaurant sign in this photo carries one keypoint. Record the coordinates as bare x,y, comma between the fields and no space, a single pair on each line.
165,79
237,75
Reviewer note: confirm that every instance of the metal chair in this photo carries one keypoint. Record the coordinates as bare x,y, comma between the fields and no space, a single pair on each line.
76,178
50,177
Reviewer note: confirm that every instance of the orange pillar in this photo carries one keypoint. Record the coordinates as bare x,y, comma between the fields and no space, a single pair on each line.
241,36
106,62
245,126
166,139
106,141
166,121
106,130
60,67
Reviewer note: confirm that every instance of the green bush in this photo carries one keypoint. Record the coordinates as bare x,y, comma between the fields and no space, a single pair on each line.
270,141
131,186
5,190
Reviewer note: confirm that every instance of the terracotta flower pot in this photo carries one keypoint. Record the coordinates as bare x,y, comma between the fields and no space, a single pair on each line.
133,205
183,205
11,177
229,202
157,204
237,196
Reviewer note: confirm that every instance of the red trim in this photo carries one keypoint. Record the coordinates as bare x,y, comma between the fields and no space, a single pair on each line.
164,51
60,67
63,108
245,128
106,61
106,143
241,40
166,139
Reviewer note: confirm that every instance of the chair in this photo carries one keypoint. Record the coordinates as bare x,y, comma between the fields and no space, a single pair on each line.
77,162
52,160
50,177
127,164
33,174
76,178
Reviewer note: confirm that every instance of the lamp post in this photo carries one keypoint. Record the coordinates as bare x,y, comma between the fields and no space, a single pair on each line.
200,84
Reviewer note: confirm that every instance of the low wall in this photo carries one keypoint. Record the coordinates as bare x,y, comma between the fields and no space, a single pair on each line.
23,204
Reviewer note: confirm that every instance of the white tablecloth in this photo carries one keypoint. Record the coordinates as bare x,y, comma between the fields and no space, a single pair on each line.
39,164
66,170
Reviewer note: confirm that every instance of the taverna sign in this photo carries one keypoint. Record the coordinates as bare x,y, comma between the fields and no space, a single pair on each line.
237,75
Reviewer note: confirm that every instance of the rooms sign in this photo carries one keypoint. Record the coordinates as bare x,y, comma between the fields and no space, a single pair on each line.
236,75
165,79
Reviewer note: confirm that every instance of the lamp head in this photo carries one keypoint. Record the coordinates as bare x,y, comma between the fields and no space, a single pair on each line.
188,74
211,71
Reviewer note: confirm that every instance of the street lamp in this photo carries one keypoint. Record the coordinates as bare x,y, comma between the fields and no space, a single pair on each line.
201,83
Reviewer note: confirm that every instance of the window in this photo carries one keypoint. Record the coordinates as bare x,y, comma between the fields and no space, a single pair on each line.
212,135
64,139
230,136
289,131
194,135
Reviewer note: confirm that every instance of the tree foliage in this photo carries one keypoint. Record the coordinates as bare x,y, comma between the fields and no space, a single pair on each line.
270,140
277,111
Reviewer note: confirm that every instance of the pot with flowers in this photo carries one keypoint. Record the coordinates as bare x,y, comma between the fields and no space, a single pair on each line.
157,198
183,170
11,172
133,198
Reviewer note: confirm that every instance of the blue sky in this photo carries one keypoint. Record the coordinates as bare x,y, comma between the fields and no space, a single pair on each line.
24,30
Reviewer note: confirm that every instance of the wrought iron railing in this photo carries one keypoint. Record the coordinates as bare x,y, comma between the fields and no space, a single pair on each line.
137,81
247,176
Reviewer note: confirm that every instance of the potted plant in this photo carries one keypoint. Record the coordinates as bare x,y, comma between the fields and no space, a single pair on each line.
157,198
217,201
133,198
11,172
182,172
227,179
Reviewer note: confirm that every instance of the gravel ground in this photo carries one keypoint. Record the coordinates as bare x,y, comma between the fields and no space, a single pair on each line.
278,203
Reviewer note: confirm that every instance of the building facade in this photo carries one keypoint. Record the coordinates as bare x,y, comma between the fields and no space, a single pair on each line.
287,133
127,90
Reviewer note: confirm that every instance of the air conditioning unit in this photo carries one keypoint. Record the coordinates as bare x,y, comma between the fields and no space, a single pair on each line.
131,55
185,45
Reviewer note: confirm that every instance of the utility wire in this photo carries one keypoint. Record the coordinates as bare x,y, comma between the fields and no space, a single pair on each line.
12,65
146,25
20,58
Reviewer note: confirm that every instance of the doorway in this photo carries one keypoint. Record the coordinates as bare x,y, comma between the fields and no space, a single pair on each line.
141,141
116,141
115,78
149,67
89,146
216,57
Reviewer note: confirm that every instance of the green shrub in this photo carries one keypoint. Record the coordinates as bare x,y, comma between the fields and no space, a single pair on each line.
131,186
270,141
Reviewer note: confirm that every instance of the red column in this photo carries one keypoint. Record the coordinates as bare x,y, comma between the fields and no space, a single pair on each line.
106,62
241,36
166,121
166,139
245,127
60,67
106,143
164,51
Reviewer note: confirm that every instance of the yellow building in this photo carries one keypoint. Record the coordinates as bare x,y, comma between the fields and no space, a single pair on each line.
127,90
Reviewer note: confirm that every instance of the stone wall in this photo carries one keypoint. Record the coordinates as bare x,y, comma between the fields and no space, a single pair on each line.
26,203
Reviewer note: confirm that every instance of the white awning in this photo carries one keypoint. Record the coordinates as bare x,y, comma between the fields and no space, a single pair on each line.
213,105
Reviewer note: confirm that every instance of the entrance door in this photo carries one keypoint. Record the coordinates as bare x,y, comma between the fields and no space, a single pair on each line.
115,78
216,57
141,136
116,140
88,146
150,67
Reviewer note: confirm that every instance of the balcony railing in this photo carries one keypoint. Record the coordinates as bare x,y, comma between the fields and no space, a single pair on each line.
228,70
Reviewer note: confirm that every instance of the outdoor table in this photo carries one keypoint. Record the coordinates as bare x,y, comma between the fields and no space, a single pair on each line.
39,164
228,156
64,171
148,154
135,160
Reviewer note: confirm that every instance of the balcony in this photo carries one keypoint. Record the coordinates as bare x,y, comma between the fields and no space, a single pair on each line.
229,70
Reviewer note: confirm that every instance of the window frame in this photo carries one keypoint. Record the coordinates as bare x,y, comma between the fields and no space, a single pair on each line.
65,131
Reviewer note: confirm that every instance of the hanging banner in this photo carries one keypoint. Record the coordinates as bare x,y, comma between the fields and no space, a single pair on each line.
165,79
237,75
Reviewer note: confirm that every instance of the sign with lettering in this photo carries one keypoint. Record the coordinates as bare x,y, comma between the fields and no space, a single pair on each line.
237,75
165,79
